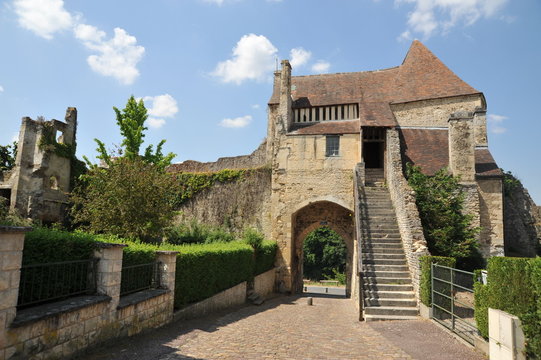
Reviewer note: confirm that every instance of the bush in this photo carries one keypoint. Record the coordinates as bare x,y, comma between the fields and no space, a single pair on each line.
11,218
265,256
514,286
204,270
194,232
426,275
253,238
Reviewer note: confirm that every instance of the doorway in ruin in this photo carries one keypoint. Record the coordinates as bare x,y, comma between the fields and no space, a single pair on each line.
311,217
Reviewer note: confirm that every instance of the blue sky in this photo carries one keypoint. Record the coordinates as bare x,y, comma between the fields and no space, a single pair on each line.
203,67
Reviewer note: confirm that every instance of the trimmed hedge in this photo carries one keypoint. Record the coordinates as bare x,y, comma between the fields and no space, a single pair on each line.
426,274
265,256
514,286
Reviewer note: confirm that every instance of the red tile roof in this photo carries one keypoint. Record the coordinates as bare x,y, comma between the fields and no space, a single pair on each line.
429,149
421,76
327,128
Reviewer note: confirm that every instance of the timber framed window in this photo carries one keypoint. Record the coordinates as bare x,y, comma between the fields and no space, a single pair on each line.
332,147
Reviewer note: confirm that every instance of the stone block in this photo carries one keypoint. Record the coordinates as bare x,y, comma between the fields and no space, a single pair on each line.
11,242
10,260
9,298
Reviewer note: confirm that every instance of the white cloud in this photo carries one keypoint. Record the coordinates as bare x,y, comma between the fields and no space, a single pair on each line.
321,67
253,59
299,57
495,123
256,106
1,88
432,16
238,122
43,17
15,137
217,2
117,57
163,106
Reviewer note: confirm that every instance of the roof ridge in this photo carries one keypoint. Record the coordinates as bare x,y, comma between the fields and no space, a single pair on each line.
348,72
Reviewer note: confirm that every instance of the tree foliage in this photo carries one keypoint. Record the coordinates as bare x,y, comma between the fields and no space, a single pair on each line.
8,153
324,254
131,121
131,198
440,200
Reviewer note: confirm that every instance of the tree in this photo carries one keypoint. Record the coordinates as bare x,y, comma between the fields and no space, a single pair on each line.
448,231
324,254
131,122
8,153
131,198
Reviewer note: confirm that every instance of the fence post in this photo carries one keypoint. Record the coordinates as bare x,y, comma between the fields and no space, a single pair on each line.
11,255
168,264
109,270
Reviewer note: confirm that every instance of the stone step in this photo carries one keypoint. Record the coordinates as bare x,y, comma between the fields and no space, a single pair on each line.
386,280
387,287
391,310
390,302
389,317
381,267
383,256
383,228
385,262
379,294
385,245
381,240
380,250
387,274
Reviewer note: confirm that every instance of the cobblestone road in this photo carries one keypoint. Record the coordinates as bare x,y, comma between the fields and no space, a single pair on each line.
287,328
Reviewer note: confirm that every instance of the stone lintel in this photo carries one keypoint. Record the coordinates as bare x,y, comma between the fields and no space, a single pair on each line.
461,115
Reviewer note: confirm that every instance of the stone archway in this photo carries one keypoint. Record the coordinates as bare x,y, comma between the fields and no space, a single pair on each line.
311,217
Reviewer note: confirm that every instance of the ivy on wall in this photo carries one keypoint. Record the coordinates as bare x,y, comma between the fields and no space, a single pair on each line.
191,184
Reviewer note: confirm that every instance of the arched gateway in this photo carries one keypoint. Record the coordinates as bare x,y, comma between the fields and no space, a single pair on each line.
311,217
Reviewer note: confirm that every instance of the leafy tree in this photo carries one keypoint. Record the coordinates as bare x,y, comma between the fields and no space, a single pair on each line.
8,153
448,231
324,254
131,122
131,198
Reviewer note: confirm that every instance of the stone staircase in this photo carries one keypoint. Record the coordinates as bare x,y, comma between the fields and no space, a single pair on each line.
387,288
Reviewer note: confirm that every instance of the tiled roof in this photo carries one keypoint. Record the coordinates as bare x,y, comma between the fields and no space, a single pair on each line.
429,149
421,76
327,128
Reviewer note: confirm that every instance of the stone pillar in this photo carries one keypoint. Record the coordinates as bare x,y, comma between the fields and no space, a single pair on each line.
168,260
285,110
109,271
11,255
462,146
480,126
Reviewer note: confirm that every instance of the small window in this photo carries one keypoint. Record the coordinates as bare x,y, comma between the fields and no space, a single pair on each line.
333,146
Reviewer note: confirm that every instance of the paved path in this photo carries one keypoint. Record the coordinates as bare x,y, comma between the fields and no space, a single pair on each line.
287,328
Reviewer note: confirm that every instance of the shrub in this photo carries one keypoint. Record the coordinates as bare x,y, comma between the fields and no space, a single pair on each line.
426,275
131,199
265,256
447,230
194,232
11,218
480,293
253,238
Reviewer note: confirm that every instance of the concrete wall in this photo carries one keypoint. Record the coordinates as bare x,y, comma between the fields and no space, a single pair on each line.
64,328
407,215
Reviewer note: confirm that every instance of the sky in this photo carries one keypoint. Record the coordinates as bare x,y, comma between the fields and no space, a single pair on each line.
204,67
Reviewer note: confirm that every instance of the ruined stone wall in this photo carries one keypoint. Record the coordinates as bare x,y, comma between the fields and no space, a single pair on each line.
433,112
491,220
254,160
522,223
407,215
236,204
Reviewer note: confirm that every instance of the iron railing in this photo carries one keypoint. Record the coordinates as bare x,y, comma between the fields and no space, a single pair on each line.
140,277
453,302
41,283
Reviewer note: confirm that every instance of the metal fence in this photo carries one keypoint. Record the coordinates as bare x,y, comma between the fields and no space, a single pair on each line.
453,302
41,283
140,277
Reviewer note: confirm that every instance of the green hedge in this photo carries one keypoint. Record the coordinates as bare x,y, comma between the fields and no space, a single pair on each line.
513,285
426,274
265,256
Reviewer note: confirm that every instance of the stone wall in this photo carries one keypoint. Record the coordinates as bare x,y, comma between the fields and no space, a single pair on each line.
522,223
264,283
235,204
433,112
407,215
65,328
491,216
254,160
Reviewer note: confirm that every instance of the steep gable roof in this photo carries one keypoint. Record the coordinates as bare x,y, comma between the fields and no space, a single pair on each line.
421,76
